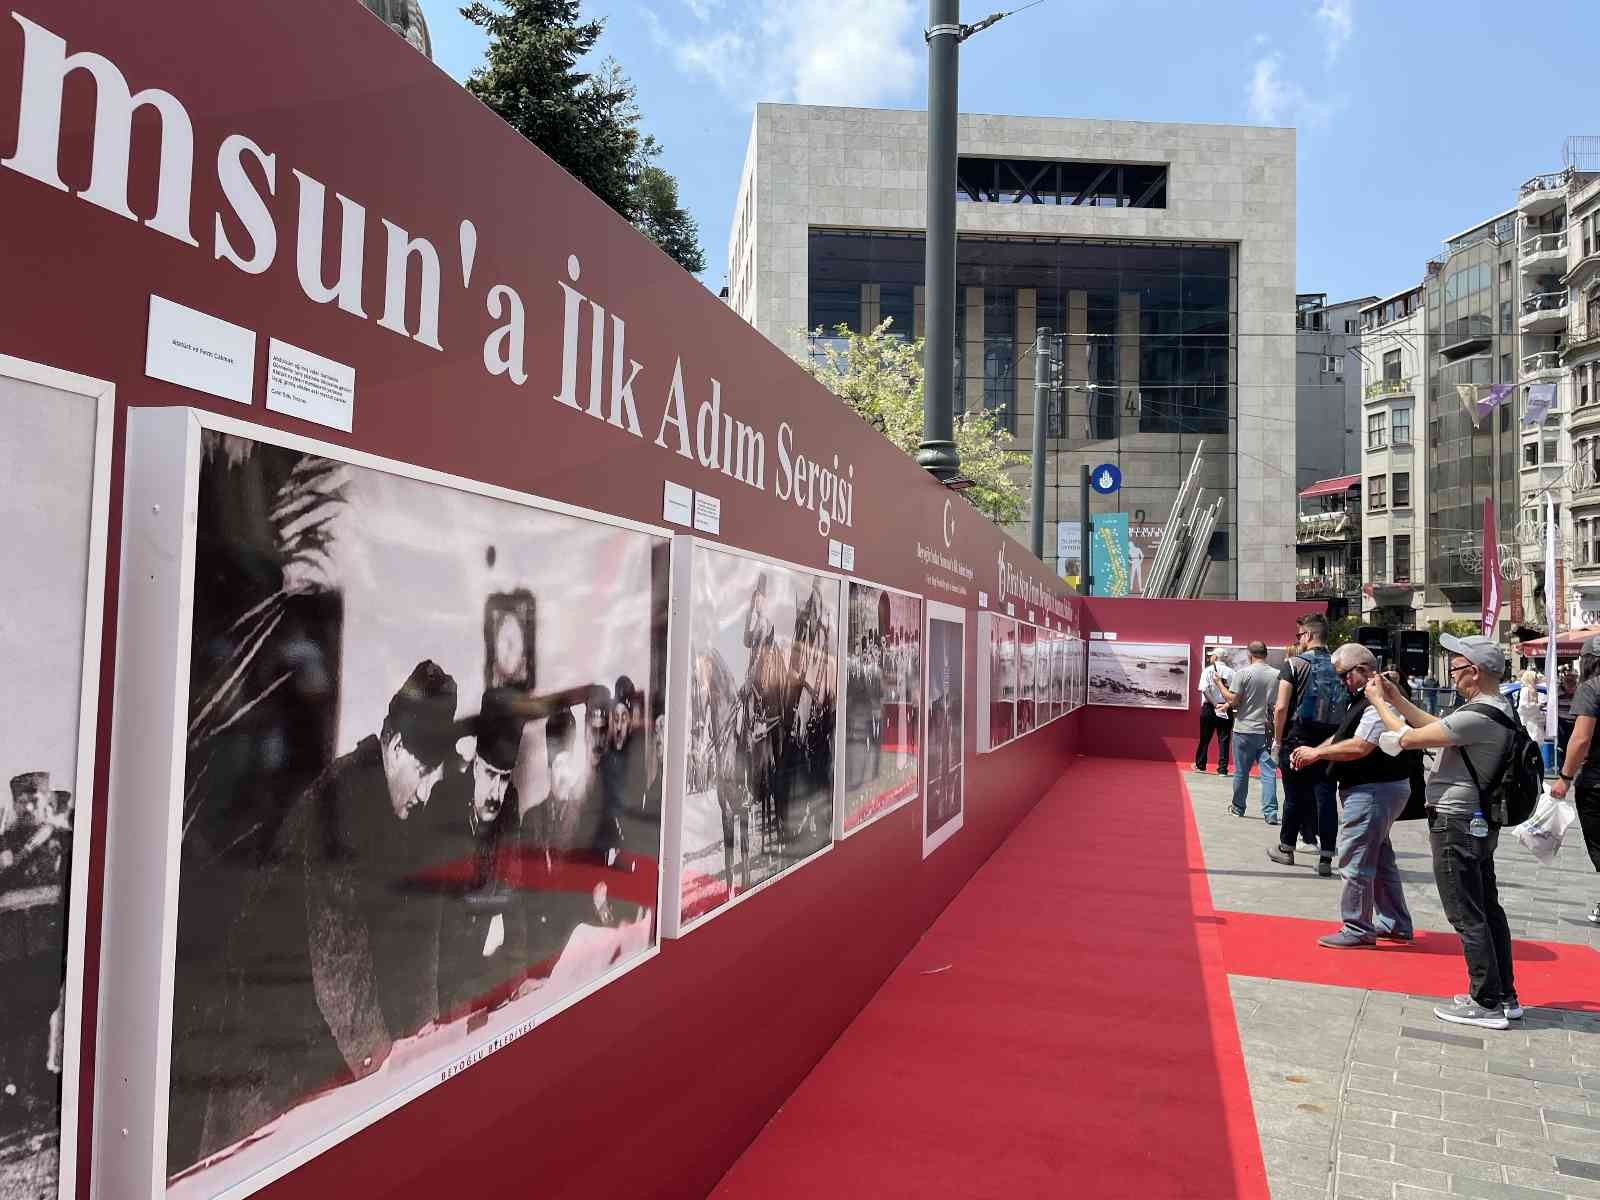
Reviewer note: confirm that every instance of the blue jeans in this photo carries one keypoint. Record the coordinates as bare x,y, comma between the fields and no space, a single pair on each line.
1248,749
1366,860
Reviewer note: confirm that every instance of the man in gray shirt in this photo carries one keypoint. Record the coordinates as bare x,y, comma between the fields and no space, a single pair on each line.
1250,694
1463,842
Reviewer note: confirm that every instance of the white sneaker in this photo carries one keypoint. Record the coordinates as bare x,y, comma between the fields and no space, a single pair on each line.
1465,1011
1594,915
1512,1007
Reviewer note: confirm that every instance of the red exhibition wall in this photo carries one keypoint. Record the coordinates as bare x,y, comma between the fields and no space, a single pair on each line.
253,131
1171,734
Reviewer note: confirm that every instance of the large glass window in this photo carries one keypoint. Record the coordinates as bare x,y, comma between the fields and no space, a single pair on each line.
1391,365
1377,490
1375,432
1377,560
1400,425
1402,489
1402,558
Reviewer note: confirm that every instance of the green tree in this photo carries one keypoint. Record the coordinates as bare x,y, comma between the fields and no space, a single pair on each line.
879,374
588,122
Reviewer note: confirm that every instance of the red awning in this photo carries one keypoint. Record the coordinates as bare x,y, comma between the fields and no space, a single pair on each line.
1326,487
1568,642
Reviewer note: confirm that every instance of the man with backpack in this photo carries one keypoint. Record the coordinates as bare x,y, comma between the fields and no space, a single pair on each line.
1489,776
1311,706
1374,790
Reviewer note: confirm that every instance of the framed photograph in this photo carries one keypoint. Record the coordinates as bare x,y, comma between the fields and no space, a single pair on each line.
1027,662
55,459
1139,675
753,781
1237,655
400,739
882,708
997,679
1077,674
943,731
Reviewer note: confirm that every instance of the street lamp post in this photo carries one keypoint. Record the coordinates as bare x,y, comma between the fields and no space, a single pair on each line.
937,453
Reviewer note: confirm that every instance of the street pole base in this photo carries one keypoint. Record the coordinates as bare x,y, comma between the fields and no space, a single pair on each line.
939,459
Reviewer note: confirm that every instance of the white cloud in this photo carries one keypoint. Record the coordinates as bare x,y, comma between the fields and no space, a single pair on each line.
1338,24
1276,100
810,51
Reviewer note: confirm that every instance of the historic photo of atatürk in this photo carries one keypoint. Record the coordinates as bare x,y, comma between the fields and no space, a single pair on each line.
883,702
763,687
423,788
47,459
946,754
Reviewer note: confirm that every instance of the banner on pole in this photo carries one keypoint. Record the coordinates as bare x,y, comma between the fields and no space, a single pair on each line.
1491,570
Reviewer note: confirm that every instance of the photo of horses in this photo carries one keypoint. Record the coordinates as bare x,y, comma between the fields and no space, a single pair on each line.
943,805
763,686
883,703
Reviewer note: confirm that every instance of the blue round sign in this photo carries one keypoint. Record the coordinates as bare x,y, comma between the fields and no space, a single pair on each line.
1105,479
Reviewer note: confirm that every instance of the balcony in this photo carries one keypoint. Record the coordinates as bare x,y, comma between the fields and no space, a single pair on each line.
1466,333
1385,589
1542,194
1544,313
1543,253
1586,267
1314,528
1332,585
1543,364
1583,339
1380,389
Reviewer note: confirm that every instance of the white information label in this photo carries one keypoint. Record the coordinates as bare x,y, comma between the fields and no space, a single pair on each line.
1069,540
707,513
306,385
835,553
1030,614
847,556
1096,636
1011,609
1211,639
677,504
1111,637
983,599
196,350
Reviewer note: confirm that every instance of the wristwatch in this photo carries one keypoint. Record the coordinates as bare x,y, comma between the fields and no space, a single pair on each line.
1565,778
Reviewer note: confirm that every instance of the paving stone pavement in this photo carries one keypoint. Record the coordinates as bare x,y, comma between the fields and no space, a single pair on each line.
1365,1095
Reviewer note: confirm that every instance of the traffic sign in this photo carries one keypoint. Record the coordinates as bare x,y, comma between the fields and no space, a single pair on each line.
1105,479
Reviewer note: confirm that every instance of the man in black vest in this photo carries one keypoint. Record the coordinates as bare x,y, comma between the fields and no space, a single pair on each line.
1373,790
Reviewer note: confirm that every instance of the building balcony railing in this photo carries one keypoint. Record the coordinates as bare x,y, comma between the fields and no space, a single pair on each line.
1543,193
1542,362
1389,387
1544,312
1386,581
1582,338
1327,527
1584,269
1464,333
1542,249
1331,586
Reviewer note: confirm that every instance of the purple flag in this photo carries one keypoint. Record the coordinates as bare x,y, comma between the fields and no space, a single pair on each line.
1540,397
1487,404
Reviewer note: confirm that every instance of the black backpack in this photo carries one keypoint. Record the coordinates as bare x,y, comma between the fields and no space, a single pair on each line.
1514,790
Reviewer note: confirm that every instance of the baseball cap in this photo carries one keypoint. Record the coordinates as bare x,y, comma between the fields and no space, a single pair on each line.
1478,650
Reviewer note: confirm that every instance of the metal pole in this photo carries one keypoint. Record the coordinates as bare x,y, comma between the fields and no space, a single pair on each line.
1084,558
1041,401
937,453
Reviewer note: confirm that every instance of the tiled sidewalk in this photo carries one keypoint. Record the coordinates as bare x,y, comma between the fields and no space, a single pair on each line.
1365,1094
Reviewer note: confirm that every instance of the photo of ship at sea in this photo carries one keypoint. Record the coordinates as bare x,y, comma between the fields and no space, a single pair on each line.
1138,675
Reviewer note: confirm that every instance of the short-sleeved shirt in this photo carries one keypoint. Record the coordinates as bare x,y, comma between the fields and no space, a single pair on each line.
1371,726
1256,688
1478,737
1587,704
1214,672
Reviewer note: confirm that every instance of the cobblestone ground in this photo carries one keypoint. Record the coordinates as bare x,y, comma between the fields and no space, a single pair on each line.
1364,1094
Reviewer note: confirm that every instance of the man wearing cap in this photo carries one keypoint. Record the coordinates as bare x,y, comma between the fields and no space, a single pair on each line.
482,942
1581,762
1472,742
622,774
335,954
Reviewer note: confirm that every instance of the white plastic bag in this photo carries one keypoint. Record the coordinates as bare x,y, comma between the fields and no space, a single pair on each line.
1543,832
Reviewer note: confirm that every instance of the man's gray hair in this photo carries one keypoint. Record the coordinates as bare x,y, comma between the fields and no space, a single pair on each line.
1353,654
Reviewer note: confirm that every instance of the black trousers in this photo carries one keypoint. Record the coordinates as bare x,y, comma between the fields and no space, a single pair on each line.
1310,804
1222,727
1587,798
1463,867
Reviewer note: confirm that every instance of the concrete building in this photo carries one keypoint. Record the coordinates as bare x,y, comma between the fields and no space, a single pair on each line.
1394,460
1327,386
1328,544
1580,362
1164,253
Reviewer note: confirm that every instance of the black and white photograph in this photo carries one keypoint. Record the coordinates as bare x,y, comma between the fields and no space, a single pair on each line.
1138,675
1027,665
1076,678
883,703
763,706
1058,674
945,739
1238,656
422,789
52,535
1000,678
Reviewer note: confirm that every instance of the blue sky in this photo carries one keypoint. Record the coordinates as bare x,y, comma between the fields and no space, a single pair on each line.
1416,118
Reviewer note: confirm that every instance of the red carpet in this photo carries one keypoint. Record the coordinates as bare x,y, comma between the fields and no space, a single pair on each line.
1548,973
1064,1028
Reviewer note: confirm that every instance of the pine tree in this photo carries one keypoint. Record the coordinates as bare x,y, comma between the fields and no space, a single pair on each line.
588,122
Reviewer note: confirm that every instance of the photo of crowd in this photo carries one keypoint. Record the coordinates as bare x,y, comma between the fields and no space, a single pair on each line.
422,795
763,688
1001,678
1027,659
46,519
945,797
1138,675
883,702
